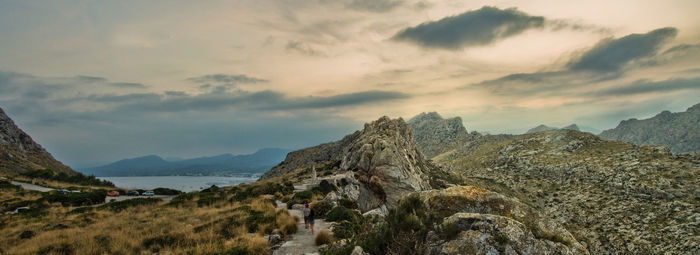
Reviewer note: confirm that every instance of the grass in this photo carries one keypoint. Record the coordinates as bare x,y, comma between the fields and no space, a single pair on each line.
193,223
323,237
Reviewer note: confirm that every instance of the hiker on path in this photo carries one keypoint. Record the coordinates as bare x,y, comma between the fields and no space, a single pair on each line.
311,219
307,212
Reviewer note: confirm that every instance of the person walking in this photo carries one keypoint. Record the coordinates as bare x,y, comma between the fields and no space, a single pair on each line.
306,212
311,219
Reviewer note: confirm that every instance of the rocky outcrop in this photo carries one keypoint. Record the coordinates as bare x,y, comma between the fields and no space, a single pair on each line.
543,127
435,135
385,159
615,198
19,152
382,164
679,131
491,222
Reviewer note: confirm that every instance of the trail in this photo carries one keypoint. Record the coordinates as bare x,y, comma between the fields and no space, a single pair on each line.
303,241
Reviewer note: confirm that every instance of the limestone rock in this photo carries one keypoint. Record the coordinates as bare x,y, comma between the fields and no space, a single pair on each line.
19,152
358,251
435,135
679,131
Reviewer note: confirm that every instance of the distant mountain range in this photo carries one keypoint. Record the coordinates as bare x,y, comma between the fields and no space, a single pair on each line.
225,164
679,131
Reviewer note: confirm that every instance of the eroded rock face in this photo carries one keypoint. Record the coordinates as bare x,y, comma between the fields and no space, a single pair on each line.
494,234
19,152
679,131
490,222
435,135
386,161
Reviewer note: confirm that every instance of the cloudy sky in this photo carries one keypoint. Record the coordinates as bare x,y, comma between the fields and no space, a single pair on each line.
98,81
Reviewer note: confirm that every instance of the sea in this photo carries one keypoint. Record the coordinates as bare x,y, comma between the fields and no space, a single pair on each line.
182,183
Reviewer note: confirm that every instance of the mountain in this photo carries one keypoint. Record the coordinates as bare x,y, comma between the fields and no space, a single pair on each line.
19,152
679,131
614,197
381,165
543,127
224,164
435,135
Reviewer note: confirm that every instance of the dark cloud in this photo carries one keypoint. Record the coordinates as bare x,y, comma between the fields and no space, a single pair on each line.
303,48
611,55
89,79
127,85
374,5
604,62
472,28
226,79
646,86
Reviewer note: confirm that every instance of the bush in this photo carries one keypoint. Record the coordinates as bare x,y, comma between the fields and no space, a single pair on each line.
340,213
300,198
76,178
166,191
76,199
236,250
347,203
166,240
286,223
324,187
323,237
207,198
121,205
321,208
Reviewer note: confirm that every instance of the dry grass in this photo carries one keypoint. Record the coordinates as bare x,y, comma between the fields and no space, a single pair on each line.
323,237
147,229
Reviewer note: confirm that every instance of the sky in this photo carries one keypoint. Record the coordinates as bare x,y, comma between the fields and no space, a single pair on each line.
99,81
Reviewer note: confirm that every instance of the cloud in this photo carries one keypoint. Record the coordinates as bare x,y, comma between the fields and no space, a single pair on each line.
127,85
374,5
226,79
611,55
606,61
473,28
646,86
89,79
303,48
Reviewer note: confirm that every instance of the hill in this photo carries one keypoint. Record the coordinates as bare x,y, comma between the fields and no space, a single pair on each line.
435,135
225,164
543,127
20,153
614,197
679,131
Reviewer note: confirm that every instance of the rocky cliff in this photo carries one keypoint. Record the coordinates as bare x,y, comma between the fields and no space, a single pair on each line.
614,197
543,127
679,131
435,135
19,152
383,159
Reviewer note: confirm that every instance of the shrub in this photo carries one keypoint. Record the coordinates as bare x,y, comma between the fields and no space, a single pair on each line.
166,240
76,199
208,198
166,191
286,223
300,198
121,205
347,203
324,187
62,248
321,208
323,237
235,250
76,178
340,213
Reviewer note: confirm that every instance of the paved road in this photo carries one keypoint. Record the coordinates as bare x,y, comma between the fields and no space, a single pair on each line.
303,241
122,198
30,186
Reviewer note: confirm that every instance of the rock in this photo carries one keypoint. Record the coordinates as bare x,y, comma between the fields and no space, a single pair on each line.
297,207
382,211
679,131
493,234
331,197
358,251
435,135
19,152
274,239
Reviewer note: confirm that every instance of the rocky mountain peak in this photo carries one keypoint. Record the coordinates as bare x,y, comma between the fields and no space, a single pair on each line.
435,135
19,152
679,131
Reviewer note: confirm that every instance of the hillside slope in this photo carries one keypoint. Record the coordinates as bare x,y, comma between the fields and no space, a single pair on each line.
435,135
614,197
19,152
679,131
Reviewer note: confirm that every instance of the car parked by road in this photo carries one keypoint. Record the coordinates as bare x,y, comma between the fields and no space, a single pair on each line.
113,193
132,193
148,193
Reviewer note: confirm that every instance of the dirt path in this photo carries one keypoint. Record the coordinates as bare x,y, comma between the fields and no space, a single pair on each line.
303,241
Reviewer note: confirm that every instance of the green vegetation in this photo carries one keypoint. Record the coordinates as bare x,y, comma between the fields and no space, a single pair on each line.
165,191
121,205
76,178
